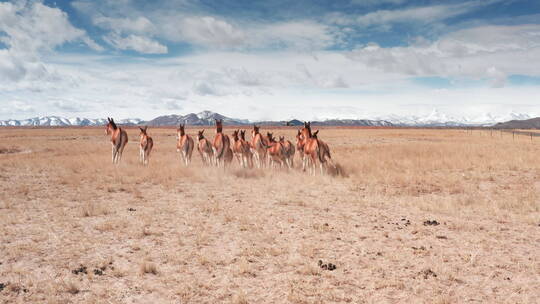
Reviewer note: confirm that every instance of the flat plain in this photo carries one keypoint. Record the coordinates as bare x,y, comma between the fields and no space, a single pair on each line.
419,216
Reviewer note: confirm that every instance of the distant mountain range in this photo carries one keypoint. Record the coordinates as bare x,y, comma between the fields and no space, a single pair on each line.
533,123
207,118
204,118
56,121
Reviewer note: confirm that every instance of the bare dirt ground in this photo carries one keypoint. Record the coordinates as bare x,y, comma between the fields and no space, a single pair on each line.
423,216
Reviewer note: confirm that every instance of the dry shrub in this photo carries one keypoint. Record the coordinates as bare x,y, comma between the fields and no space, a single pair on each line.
91,209
309,269
202,238
71,287
119,272
186,293
6,204
148,267
243,267
146,231
10,150
239,298
337,170
248,173
276,251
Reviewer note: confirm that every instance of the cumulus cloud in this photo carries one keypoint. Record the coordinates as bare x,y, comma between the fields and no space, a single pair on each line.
421,14
138,24
33,26
137,43
28,30
376,2
205,88
210,31
242,67
304,35
482,52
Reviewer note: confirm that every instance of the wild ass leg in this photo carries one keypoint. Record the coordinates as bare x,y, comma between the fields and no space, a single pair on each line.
257,160
119,154
145,160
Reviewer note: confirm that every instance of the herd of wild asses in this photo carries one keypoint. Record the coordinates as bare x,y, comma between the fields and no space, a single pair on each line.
261,151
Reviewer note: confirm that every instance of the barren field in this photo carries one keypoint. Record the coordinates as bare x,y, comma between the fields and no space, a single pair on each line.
422,216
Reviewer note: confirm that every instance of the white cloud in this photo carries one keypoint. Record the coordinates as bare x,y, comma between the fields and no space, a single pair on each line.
30,29
250,69
482,52
254,86
376,2
139,24
205,88
422,14
33,26
498,78
209,31
137,43
303,35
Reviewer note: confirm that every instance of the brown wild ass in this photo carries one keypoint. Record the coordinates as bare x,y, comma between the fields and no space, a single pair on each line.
258,146
146,144
227,157
276,152
315,150
288,151
300,142
205,149
119,139
184,144
221,145
247,148
240,149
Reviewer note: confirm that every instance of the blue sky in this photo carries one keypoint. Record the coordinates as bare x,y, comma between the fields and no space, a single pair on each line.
269,59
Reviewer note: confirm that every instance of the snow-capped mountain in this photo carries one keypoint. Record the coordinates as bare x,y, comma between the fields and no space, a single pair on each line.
49,121
438,119
205,118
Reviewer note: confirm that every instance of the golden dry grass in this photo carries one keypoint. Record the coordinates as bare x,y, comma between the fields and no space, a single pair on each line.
168,234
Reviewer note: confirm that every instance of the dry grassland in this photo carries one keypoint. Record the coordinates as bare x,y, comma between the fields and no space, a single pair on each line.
77,229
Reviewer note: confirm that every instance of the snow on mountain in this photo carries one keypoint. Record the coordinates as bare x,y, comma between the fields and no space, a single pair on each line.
50,121
207,118
438,119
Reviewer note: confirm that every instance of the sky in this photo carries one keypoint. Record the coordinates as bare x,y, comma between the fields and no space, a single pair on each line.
270,59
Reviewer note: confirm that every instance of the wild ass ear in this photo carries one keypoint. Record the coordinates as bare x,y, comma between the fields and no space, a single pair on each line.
142,130
315,134
202,131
